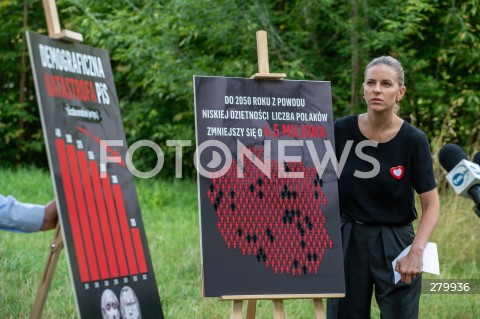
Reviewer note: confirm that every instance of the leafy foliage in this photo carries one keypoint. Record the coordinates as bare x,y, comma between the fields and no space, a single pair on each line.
157,46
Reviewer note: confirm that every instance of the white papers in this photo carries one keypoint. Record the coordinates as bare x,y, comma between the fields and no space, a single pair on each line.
430,260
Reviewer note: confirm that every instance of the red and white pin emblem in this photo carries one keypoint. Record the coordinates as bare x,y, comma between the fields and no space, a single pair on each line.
397,172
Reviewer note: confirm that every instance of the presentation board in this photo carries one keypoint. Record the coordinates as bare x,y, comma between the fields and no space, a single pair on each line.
269,212
100,216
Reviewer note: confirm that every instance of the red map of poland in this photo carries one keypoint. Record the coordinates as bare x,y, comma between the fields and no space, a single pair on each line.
278,221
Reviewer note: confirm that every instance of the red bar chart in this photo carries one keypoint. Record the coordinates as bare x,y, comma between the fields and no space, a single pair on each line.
108,244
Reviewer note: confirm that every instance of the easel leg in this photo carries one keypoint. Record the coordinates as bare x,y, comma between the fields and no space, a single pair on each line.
318,309
251,309
41,298
237,306
278,312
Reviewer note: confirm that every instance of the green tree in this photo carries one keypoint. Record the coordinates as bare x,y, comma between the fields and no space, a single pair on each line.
20,130
157,46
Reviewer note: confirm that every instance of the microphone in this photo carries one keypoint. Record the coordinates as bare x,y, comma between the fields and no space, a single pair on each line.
476,158
463,175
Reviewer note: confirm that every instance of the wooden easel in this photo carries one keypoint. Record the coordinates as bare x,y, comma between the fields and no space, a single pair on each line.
53,24
278,309
56,247
262,53
237,301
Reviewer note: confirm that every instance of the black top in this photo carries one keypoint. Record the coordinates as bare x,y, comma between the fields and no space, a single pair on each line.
405,164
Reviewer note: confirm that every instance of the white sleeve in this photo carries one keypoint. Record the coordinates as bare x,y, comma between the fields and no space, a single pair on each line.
21,217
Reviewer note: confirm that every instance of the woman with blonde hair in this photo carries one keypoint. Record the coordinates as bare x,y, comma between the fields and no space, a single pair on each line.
377,209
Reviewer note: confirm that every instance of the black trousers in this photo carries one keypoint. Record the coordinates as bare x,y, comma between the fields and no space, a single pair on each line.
369,251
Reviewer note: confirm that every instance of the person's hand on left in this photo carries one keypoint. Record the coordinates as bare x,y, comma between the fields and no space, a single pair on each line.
50,219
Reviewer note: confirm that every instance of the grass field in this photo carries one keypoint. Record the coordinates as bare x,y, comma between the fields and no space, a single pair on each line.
170,213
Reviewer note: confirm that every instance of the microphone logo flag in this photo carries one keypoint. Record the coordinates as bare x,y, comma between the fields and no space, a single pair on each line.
463,176
460,177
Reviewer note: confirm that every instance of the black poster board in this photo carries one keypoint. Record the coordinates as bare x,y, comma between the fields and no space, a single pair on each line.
267,235
100,216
